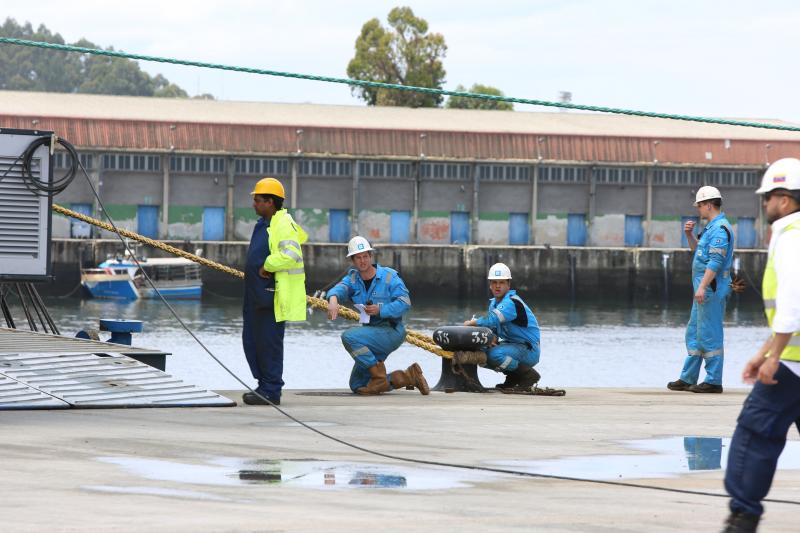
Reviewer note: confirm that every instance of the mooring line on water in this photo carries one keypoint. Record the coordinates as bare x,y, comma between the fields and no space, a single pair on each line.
394,86
369,451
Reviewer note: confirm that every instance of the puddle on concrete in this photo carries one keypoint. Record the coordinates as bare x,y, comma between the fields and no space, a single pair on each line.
156,491
657,458
306,473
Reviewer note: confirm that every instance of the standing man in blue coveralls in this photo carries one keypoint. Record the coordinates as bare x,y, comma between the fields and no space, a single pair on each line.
711,267
515,324
384,298
773,405
274,289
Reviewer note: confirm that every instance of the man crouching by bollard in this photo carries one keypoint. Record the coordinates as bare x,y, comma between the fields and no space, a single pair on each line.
517,328
382,297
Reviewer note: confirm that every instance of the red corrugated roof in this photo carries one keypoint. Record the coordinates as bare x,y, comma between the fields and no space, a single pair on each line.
249,139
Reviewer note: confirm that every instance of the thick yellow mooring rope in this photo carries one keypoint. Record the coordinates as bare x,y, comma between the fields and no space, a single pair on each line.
412,337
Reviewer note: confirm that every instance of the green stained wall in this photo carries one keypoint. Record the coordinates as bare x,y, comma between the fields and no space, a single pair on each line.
313,218
185,214
490,215
245,214
121,211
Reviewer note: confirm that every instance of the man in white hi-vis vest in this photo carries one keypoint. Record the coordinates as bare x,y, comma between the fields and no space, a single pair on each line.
773,406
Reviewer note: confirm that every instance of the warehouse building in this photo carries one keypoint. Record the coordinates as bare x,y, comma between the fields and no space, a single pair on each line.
183,169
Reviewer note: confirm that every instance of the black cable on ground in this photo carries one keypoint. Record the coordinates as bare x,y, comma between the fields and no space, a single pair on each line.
374,452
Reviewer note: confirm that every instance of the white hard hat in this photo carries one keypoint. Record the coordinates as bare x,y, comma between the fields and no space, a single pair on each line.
499,271
782,174
358,245
706,192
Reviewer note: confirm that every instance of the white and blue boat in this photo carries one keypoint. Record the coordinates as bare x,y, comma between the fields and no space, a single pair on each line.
121,278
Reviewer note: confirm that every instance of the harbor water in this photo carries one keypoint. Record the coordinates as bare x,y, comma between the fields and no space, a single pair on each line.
586,344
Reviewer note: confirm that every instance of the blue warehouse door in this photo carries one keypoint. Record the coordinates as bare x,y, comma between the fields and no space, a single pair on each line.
213,223
459,227
745,233
77,228
518,229
400,222
147,221
684,220
339,225
634,232
576,230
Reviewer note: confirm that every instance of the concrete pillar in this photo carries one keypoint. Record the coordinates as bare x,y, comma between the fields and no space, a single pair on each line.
592,206
356,176
94,176
165,196
293,194
416,166
534,215
230,228
648,213
476,185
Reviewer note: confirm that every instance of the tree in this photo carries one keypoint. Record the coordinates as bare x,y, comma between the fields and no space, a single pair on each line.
463,102
24,68
404,54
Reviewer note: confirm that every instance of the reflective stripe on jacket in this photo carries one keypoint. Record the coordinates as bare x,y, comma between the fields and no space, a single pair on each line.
285,260
769,289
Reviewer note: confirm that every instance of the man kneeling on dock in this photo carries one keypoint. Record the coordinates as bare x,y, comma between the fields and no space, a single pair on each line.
383,299
515,324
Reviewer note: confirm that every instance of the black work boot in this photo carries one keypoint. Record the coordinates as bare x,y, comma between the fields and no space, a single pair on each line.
511,381
678,384
527,377
741,523
251,398
706,387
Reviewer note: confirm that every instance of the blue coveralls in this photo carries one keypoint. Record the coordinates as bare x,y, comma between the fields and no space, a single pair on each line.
704,334
385,333
515,324
262,336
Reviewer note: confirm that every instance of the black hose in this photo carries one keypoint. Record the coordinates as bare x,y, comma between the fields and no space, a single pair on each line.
41,186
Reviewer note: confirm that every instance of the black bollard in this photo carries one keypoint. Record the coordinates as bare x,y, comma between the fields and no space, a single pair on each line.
452,381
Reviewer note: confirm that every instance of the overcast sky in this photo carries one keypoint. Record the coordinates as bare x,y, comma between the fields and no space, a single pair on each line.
716,58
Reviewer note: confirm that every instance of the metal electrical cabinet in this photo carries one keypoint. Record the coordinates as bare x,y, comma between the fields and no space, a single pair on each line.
24,216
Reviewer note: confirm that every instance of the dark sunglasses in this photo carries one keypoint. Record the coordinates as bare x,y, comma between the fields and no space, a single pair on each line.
769,194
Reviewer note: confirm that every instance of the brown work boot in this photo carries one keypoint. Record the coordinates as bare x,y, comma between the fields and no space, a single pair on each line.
378,383
410,378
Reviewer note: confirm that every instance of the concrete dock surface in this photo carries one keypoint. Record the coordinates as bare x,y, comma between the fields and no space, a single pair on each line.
250,469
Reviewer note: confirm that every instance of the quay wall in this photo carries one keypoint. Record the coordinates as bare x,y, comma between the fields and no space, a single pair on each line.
626,274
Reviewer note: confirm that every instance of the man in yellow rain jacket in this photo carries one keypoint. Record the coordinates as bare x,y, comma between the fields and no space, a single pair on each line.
275,290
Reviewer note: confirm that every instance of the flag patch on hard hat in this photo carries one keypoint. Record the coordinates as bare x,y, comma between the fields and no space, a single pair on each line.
779,179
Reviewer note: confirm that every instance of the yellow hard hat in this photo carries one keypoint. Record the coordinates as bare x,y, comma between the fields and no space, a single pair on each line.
269,186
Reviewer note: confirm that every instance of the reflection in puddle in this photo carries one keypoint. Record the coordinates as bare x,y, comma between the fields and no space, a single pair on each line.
659,458
703,453
307,473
